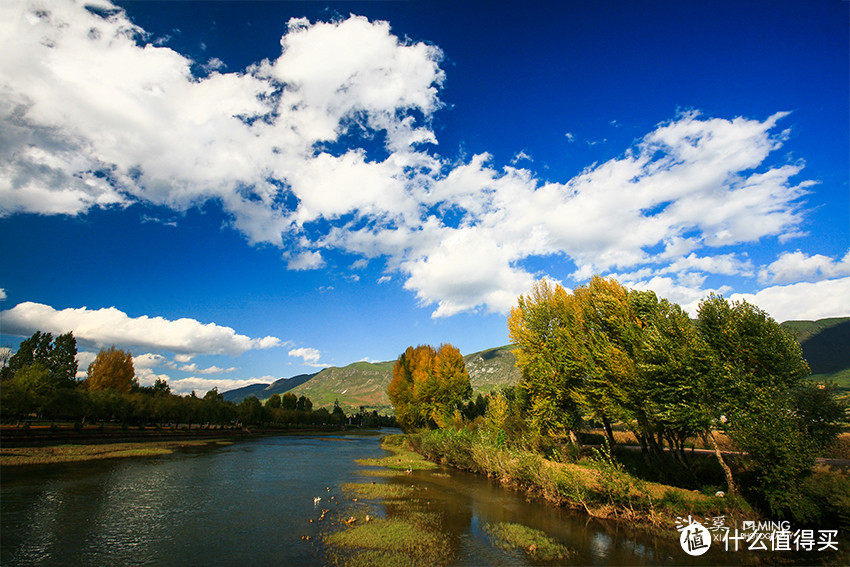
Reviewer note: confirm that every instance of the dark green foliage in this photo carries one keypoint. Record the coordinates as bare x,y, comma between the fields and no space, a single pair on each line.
39,376
273,402
304,404
476,408
250,412
288,401
829,492
759,398
57,356
36,384
820,413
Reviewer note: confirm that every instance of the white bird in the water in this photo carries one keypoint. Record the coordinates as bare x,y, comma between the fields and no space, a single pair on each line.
317,499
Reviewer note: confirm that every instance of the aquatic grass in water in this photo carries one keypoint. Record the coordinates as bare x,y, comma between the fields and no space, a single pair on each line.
535,543
376,491
375,557
407,536
399,541
382,472
403,458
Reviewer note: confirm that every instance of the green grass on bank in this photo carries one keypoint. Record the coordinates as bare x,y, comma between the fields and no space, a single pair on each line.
602,487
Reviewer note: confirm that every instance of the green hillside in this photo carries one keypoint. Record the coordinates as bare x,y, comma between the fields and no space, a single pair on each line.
265,391
492,369
826,347
355,385
365,383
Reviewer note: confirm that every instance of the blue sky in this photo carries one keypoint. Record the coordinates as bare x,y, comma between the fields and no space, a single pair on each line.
239,192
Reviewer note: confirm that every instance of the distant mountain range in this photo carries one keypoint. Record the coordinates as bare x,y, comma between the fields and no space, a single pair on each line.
825,343
365,383
265,391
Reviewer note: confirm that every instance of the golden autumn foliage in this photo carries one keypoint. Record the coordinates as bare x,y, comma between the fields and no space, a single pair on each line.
112,370
428,385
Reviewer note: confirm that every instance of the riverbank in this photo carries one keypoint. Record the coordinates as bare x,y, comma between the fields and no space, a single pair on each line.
603,487
68,453
45,435
598,486
52,445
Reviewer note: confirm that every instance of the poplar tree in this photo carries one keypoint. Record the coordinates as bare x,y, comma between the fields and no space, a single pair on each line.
755,397
428,385
112,369
612,354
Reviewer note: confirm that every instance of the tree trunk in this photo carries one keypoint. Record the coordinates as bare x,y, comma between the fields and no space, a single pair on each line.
644,449
574,439
730,483
609,431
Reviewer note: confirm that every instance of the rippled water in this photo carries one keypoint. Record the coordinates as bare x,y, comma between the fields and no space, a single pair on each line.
250,503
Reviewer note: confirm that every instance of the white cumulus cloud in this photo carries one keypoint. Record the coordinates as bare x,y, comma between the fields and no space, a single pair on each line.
108,326
798,266
306,261
803,301
135,125
310,356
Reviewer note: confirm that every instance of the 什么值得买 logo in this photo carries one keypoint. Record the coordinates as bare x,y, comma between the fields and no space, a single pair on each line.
695,539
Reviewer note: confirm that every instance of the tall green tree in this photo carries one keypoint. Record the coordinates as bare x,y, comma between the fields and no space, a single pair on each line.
288,401
428,385
58,356
304,404
613,354
273,402
553,367
760,401
251,412
39,375
63,361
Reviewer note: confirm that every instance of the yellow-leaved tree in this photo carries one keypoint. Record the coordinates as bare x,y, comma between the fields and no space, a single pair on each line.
428,385
112,369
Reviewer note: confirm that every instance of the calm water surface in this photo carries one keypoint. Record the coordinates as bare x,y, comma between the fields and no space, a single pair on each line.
250,504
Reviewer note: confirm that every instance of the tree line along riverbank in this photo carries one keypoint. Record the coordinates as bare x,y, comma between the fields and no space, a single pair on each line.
605,358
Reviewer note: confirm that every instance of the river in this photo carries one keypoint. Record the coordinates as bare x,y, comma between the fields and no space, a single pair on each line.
250,503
